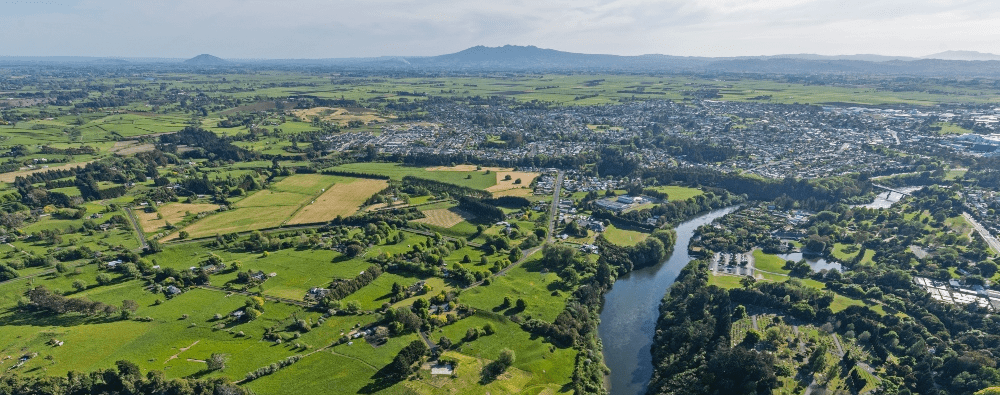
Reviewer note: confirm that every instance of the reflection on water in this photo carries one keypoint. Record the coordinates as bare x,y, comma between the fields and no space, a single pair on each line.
631,309
816,263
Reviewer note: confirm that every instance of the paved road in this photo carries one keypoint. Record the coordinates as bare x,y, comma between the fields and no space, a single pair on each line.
552,220
138,229
554,211
992,241
836,342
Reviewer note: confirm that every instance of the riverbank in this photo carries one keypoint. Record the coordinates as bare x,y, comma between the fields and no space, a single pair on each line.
631,308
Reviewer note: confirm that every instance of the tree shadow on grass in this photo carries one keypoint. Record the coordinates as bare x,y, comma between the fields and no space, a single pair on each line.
514,310
381,380
37,318
490,373
199,374
342,258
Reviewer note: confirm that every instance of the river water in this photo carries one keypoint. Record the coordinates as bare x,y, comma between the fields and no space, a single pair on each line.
815,263
631,309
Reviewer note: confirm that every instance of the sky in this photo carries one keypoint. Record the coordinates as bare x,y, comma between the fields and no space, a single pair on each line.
252,29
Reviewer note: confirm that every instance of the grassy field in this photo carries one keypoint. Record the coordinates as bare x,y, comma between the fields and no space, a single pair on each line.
950,128
769,263
675,193
725,282
526,281
302,198
444,217
476,179
172,213
624,237
344,198
847,253
518,180
340,116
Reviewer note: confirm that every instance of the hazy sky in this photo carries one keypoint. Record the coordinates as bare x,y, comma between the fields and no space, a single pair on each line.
323,29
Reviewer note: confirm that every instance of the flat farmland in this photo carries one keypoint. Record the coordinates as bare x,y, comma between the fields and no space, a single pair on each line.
504,184
466,176
238,220
445,217
344,198
298,199
9,177
172,213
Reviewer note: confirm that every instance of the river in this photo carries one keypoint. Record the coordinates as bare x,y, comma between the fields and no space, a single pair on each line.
631,308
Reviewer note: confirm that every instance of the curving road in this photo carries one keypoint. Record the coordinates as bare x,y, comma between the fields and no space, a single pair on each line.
992,241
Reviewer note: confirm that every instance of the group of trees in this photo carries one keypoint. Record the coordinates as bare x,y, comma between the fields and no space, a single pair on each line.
483,211
343,288
125,379
43,299
209,145
648,252
691,349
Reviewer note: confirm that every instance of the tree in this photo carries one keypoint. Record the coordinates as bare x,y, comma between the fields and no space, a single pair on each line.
217,361
403,364
153,246
445,343
79,285
505,360
748,281
381,334
521,304
515,254
103,279
817,360
182,234
740,312
752,337
130,305
987,268
61,267
353,249
252,313
773,335
254,302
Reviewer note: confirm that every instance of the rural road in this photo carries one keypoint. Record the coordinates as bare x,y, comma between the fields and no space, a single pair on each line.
552,223
138,229
992,241
554,211
267,297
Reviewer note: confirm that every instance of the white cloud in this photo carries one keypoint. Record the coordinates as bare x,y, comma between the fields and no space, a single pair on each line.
315,28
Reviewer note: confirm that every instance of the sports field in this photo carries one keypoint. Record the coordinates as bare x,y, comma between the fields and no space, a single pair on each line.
624,237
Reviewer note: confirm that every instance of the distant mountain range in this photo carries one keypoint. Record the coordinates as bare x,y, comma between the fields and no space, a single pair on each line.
531,58
963,55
